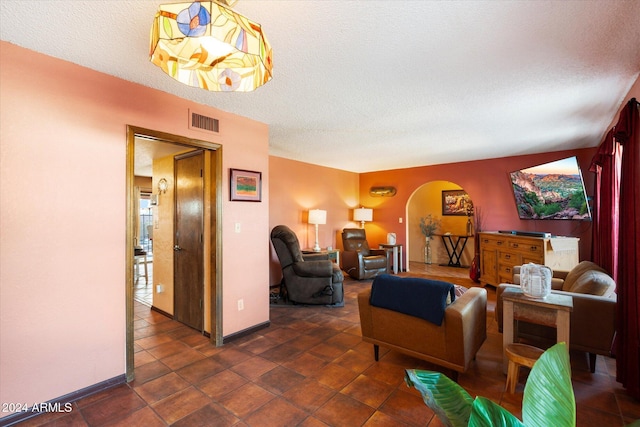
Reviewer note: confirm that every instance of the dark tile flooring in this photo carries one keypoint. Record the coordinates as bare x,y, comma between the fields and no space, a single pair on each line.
309,368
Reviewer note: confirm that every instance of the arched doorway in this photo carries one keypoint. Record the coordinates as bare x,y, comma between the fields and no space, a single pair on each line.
428,200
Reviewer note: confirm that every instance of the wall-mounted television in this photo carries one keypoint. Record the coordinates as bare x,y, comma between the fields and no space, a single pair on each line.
552,190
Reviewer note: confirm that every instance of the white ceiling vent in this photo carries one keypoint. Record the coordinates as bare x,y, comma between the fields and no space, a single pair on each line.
198,121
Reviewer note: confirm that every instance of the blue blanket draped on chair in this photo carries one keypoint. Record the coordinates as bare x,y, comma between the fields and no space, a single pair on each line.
414,296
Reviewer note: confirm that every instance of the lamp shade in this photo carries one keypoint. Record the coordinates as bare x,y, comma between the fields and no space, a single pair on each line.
208,45
362,214
317,216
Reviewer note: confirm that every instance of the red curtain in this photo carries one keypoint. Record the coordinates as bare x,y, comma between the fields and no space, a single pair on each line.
627,132
606,164
616,235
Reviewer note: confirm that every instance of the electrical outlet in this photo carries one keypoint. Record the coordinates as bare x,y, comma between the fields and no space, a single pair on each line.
400,220
240,304
159,289
237,227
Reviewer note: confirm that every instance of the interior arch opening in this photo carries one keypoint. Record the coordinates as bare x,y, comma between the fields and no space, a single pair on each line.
451,207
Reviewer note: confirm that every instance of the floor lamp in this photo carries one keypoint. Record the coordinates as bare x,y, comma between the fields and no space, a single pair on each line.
316,217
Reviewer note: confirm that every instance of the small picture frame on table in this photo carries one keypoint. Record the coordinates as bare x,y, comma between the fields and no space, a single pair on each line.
246,186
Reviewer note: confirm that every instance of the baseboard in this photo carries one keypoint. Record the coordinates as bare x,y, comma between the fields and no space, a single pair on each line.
246,332
60,402
164,313
228,338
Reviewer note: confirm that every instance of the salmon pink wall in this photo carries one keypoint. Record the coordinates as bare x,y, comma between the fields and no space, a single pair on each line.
487,183
296,187
62,216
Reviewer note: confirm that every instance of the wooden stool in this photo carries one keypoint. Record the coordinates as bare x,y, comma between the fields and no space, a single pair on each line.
519,355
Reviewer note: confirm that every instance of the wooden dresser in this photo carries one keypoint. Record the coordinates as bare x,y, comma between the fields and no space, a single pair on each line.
500,252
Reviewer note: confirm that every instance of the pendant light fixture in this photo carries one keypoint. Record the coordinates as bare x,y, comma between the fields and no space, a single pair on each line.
208,45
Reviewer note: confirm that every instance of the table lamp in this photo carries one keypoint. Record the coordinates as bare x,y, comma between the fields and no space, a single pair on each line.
362,215
316,217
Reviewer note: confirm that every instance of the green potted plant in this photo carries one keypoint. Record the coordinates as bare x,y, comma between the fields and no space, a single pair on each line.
428,225
548,396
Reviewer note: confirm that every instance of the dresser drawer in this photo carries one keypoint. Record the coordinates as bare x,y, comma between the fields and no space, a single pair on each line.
527,246
510,258
533,257
493,241
506,270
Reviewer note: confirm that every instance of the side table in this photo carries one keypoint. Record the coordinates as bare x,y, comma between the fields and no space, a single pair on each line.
397,249
333,254
552,311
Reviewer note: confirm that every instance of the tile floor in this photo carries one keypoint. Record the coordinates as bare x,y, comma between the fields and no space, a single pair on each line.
309,368
143,287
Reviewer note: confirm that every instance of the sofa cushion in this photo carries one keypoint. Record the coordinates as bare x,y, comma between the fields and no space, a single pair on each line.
594,283
578,271
414,296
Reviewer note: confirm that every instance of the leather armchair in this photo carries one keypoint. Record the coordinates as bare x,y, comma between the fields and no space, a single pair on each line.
307,280
452,345
592,319
358,260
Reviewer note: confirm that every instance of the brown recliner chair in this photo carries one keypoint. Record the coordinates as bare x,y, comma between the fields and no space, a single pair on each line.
358,260
308,279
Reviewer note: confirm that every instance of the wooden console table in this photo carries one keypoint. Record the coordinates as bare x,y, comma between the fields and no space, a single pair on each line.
454,248
552,311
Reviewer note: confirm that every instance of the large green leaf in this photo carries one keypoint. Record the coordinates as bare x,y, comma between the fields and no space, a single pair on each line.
548,395
450,402
486,413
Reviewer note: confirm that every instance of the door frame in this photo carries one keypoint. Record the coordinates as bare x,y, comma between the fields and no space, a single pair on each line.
213,199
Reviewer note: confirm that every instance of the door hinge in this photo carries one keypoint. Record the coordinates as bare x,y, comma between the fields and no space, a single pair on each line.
200,173
200,303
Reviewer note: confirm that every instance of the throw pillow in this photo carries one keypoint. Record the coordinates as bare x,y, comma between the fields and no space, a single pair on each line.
594,283
578,271
459,291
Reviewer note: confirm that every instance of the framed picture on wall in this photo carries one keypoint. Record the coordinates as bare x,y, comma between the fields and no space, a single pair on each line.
246,186
454,202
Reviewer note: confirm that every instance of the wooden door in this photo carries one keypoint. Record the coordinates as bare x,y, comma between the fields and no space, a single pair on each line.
188,240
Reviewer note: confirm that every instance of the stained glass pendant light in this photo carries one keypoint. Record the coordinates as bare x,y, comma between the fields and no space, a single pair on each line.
208,45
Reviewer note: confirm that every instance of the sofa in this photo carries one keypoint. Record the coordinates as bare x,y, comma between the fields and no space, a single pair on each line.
452,344
593,315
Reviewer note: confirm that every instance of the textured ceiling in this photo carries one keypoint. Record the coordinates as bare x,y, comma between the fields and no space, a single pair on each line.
374,85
